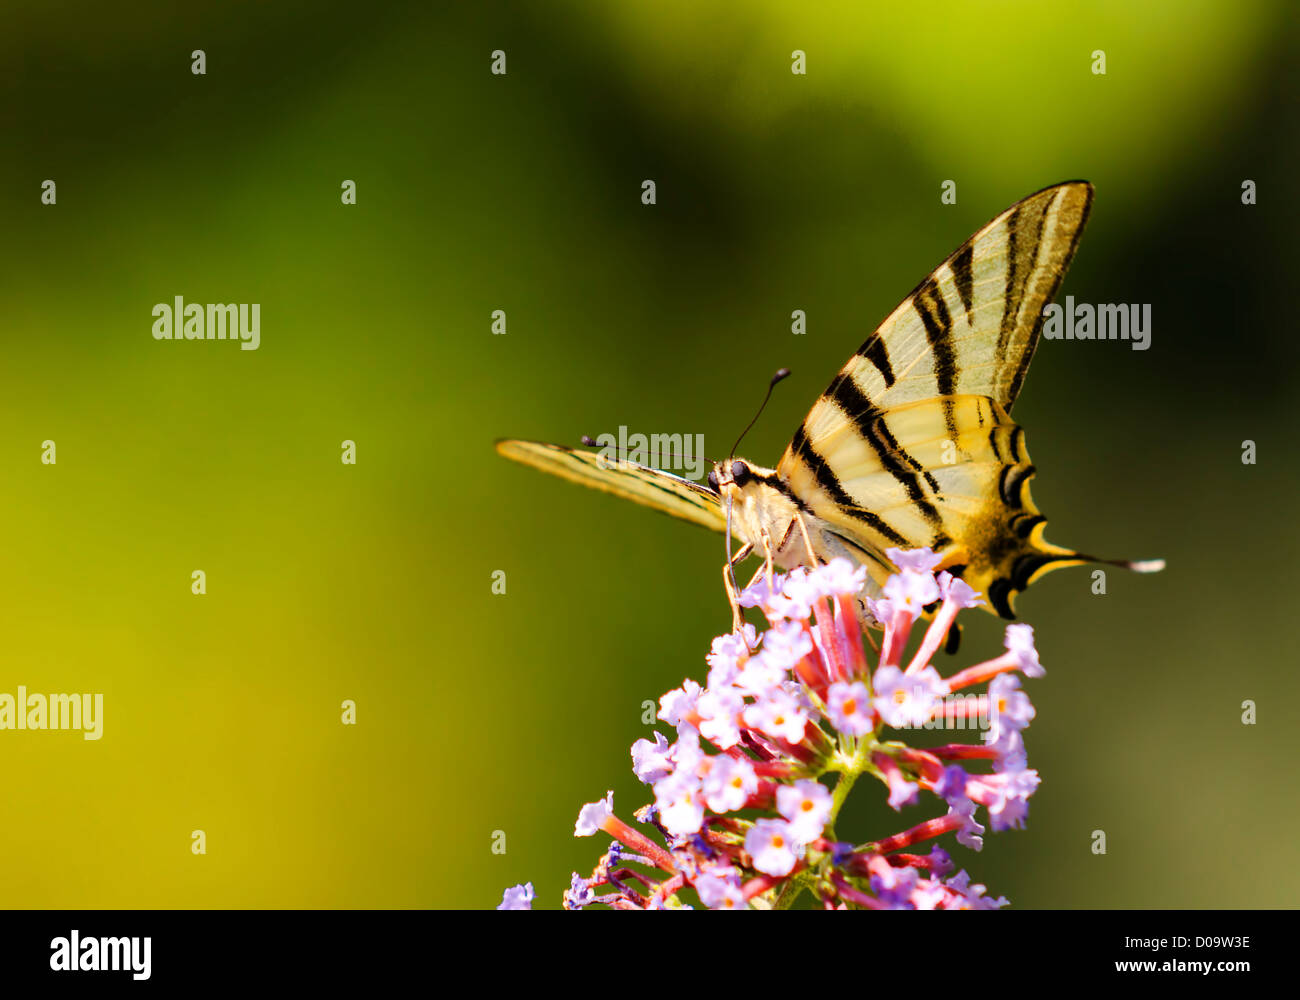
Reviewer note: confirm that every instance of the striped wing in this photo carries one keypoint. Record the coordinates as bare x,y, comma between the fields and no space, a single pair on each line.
951,474
971,327
912,445
649,487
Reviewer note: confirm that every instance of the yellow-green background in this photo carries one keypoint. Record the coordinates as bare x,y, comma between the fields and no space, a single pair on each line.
776,192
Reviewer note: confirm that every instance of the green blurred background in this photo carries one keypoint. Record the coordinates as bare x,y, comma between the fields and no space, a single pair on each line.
479,713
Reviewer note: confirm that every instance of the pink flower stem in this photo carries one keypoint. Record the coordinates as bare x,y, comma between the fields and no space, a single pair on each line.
971,709
639,842
668,887
934,635
983,671
832,651
773,769
848,618
852,895
922,831
930,766
896,633
965,751
759,885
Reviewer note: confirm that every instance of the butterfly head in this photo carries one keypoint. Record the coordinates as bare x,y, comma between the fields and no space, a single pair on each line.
746,484
730,477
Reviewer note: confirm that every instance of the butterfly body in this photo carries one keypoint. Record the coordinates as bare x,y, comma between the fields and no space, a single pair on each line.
912,445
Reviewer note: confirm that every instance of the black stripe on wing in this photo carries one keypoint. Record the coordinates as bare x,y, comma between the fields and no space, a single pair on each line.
829,482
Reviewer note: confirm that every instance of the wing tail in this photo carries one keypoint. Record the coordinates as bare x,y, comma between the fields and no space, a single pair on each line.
950,473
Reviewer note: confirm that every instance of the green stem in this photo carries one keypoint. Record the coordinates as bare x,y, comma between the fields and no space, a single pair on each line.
841,792
790,892
850,770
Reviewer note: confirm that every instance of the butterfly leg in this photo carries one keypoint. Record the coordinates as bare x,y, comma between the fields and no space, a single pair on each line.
803,528
729,582
769,565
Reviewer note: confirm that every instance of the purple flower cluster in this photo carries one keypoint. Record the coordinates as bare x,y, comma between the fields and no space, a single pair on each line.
747,795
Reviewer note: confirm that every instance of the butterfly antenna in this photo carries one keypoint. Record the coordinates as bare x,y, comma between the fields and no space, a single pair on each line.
781,374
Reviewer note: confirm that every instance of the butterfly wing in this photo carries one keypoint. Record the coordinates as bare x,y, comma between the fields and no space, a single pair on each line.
912,445
971,327
649,487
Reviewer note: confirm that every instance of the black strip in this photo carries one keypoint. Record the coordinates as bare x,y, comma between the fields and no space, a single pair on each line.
1019,377
929,305
1011,481
1024,524
1031,342
868,418
780,485
1029,564
993,443
1009,297
828,482
1000,598
1018,444
875,351
964,277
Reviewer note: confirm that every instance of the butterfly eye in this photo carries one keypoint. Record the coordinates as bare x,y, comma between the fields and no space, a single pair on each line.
713,480
740,473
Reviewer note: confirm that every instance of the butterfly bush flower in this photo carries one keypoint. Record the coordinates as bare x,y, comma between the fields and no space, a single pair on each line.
747,795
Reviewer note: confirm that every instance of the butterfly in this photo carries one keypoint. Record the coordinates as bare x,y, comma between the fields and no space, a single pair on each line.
912,445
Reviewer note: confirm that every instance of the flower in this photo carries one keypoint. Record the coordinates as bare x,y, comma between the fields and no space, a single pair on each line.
772,845
1010,709
678,704
650,761
907,701
729,783
519,897
719,888
778,715
806,806
1020,644
742,812
848,706
729,653
971,896
958,591
718,709
593,816
901,791
914,560
911,591
679,801
579,894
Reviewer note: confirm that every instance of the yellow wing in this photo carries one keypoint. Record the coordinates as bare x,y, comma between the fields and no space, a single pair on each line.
649,487
951,474
971,327
912,444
